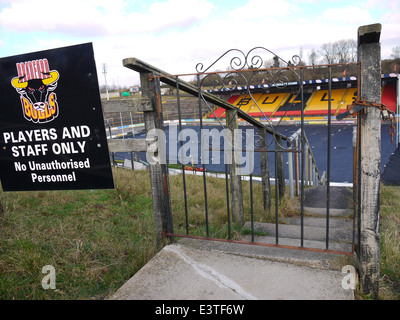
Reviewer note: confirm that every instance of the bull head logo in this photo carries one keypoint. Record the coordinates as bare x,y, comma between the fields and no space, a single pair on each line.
39,102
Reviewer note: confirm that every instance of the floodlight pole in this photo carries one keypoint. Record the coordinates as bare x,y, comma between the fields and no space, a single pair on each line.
105,78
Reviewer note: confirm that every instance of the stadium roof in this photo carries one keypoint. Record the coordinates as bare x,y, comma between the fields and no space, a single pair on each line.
386,76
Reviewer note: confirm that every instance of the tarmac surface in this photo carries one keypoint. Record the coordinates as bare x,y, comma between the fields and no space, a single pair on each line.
391,174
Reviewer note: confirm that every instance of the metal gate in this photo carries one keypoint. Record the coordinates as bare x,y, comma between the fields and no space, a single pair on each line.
256,73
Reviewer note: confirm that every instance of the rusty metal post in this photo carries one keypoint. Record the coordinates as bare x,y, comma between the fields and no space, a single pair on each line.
369,55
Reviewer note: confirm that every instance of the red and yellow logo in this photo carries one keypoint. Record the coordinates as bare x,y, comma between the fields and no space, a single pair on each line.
35,84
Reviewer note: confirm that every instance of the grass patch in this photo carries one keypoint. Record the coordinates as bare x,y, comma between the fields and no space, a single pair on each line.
95,239
390,243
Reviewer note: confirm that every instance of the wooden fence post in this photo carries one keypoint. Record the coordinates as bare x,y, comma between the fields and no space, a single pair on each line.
266,185
280,179
369,55
236,182
158,171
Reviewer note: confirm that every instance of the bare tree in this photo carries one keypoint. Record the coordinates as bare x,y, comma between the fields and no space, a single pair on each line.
395,53
342,51
313,57
345,50
327,53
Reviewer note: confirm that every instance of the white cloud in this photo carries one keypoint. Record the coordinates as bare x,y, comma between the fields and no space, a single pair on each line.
174,35
257,9
100,18
348,14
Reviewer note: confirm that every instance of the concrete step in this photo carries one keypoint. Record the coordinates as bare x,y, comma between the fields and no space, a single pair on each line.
339,235
313,244
344,223
309,258
340,197
321,212
315,201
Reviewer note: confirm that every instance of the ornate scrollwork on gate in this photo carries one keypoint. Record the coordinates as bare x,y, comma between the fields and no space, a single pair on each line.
249,69
246,72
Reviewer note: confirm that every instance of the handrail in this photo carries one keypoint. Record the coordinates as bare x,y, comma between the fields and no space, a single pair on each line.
142,67
314,176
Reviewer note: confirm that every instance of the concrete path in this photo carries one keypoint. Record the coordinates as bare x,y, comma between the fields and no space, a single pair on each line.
204,270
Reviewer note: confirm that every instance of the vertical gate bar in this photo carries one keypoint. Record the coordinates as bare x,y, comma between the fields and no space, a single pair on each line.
306,162
310,167
328,170
276,198
358,165
227,198
303,162
296,166
358,184
178,100
201,152
290,166
251,208
397,109
355,148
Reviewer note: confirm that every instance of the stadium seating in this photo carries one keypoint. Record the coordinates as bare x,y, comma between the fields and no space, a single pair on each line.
348,98
292,106
220,112
389,97
267,104
319,102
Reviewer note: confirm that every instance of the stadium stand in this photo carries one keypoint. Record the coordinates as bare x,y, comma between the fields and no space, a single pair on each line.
285,102
248,102
319,102
389,97
220,112
268,103
349,97
292,106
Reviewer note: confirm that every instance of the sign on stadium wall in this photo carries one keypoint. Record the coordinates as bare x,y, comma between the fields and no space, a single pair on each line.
52,134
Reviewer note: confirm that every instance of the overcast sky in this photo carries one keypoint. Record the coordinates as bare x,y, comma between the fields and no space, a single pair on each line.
175,35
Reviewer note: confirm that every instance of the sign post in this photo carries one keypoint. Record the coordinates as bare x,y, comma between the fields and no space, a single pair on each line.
52,134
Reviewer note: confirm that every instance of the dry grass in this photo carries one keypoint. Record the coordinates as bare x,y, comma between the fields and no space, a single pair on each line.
95,239
390,243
